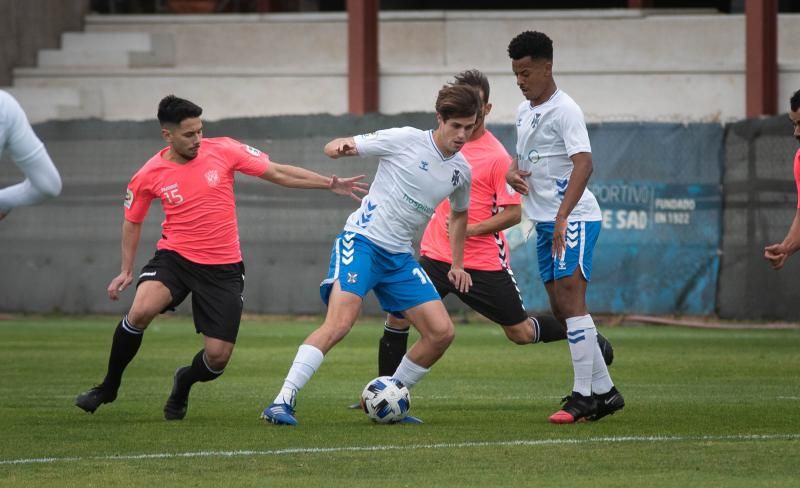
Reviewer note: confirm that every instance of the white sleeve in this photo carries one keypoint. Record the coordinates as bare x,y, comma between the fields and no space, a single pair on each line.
573,128
42,180
459,199
382,142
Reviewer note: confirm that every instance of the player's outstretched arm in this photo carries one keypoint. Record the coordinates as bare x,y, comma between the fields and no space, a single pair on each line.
131,232
509,216
343,146
777,254
296,177
458,229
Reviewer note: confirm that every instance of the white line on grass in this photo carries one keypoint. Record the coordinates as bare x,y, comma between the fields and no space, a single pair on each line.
457,445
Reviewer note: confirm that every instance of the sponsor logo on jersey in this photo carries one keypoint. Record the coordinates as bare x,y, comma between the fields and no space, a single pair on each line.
253,151
418,206
532,156
128,198
212,177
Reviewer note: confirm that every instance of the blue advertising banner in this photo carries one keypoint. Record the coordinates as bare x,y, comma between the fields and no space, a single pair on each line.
659,188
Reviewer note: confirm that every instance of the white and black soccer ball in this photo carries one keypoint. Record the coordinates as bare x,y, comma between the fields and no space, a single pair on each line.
385,400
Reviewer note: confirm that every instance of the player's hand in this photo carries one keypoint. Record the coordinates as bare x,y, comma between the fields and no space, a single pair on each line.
349,186
776,255
559,238
118,284
516,178
460,279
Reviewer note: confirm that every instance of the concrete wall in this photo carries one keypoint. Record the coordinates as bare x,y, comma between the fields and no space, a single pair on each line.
30,25
618,64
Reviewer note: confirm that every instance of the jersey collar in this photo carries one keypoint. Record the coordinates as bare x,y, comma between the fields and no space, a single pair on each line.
436,148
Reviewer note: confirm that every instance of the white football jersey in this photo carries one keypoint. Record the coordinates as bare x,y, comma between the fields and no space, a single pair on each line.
413,178
547,135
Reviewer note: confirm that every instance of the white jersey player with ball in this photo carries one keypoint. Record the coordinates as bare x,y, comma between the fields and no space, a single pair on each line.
416,171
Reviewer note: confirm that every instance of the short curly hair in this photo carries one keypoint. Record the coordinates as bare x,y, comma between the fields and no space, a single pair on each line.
531,43
174,110
794,102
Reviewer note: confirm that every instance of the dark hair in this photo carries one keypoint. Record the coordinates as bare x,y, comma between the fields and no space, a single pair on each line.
476,78
174,110
533,44
456,101
794,102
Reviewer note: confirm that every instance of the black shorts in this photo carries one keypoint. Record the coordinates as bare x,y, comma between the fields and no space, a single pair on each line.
217,291
493,294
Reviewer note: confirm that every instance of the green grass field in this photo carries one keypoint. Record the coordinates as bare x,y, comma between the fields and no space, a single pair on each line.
704,408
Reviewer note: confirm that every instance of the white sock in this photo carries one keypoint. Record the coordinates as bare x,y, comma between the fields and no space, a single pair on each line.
409,373
601,380
306,363
582,337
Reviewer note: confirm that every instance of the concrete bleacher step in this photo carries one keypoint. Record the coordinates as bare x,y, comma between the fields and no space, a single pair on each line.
119,49
51,102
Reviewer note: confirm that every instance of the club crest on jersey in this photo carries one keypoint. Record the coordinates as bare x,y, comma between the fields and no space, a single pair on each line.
423,165
456,177
253,151
535,120
212,177
128,198
352,278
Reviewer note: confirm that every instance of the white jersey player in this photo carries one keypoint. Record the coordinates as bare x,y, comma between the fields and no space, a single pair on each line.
548,135
413,177
42,180
553,165
416,171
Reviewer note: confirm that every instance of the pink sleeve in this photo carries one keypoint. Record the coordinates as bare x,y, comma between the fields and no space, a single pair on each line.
505,194
248,160
137,198
797,175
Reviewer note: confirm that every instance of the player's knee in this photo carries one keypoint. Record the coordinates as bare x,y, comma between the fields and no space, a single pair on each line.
218,358
442,338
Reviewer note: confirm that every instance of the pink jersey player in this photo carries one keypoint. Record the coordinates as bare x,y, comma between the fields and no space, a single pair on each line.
197,197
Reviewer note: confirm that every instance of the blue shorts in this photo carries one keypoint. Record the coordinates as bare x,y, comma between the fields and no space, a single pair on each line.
397,279
580,240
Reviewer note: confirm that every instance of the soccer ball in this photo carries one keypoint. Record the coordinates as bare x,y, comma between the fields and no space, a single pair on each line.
385,400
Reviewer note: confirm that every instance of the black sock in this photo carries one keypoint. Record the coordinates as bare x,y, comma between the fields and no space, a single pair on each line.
199,371
126,342
391,349
549,329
